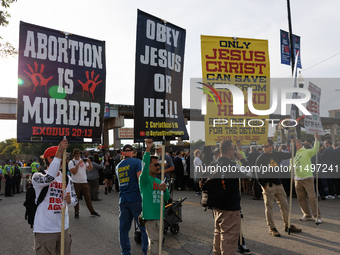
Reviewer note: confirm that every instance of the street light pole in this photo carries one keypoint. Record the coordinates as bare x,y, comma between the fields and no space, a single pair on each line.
292,59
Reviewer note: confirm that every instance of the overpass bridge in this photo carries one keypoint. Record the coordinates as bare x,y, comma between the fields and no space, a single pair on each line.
8,111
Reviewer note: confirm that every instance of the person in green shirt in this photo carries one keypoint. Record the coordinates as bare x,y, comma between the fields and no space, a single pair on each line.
150,189
304,180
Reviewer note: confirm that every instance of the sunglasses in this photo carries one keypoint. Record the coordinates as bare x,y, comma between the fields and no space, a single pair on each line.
265,146
156,165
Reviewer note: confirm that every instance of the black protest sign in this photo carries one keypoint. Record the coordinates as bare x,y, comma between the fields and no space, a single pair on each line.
158,80
61,86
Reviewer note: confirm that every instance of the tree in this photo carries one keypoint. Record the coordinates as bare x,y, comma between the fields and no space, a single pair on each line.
276,134
196,145
11,147
6,48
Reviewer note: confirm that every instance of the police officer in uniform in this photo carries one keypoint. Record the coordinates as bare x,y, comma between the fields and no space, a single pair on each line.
35,166
8,176
2,166
16,177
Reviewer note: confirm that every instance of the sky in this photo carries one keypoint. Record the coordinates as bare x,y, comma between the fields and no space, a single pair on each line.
115,23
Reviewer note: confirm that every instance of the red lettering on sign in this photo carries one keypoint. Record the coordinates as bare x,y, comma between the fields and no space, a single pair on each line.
35,131
41,131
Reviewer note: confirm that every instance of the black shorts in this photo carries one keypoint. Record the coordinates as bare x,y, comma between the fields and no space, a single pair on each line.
107,176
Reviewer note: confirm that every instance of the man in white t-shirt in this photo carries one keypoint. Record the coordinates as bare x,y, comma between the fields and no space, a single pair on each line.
78,170
47,221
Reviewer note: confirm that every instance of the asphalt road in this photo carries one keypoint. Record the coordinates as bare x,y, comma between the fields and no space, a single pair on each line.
100,235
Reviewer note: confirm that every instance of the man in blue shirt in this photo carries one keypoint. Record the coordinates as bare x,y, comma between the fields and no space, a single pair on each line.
130,200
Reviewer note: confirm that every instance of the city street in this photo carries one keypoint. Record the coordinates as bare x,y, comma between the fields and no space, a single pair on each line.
100,235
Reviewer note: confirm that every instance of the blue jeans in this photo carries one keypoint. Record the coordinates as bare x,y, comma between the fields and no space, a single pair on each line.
128,211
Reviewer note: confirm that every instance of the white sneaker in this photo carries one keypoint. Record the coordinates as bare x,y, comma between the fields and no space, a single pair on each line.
304,218
319,221
329,197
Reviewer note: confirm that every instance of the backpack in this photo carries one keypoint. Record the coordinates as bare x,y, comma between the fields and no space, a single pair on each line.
31,206
213,194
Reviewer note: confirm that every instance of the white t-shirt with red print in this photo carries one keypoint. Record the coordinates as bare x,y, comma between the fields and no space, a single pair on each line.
48,215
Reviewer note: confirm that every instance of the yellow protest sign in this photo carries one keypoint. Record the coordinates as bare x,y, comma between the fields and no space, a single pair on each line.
233,68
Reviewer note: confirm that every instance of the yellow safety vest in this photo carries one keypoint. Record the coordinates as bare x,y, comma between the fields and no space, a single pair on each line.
34,167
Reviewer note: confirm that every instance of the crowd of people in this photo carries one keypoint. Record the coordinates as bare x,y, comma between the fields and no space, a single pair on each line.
137,177
11,174
139,194
303,164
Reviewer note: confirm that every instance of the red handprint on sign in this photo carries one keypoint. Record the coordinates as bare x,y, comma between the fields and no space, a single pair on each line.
38,78
91,84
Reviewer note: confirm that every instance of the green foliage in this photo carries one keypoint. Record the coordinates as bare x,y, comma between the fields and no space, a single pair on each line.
11,147
196,145
326,137
6,48
276,134
80,146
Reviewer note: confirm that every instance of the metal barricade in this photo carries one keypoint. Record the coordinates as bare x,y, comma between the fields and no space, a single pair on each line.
26,173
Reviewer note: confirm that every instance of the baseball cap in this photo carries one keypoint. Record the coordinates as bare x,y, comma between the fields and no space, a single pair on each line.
75,151
50,152
127,147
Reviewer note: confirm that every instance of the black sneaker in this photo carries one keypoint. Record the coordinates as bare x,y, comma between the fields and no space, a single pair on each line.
274,232
293,229
95,214
76,215
243,249
256,198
